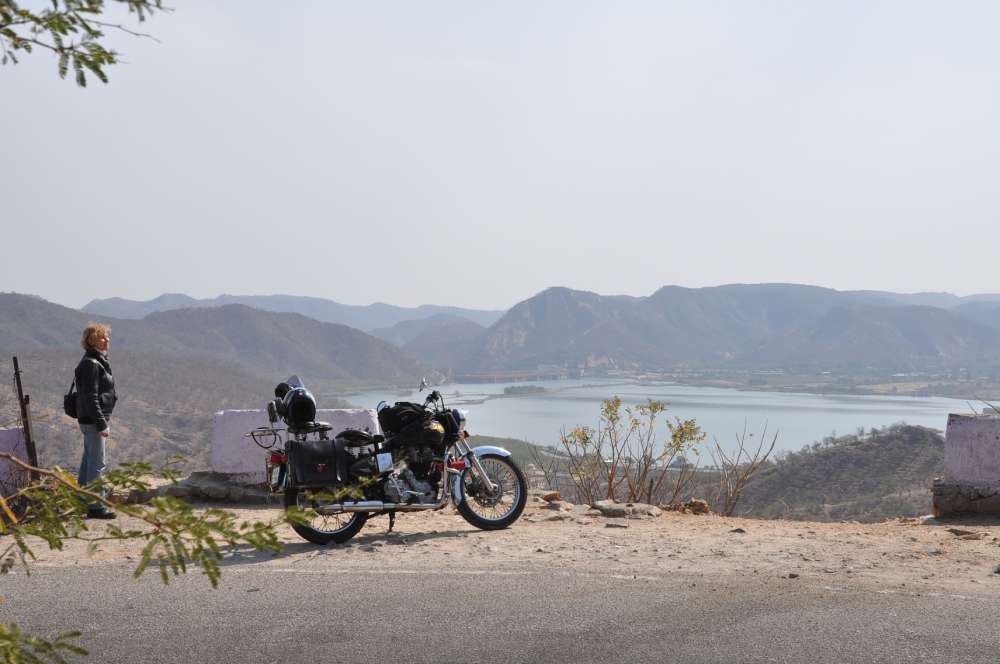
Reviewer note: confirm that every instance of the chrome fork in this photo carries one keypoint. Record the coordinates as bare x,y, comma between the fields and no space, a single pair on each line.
467,453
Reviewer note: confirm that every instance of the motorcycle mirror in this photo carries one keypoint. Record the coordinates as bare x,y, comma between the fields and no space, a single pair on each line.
423,385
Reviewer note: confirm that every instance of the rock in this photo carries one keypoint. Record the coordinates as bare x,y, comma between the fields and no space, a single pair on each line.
793,575
642,509
610,508
738,531
958,532
580,509
996,570
561,505
559,516
178,491
587,522
617,523
973,536
551,496
537,499
697,506
593,512
214,491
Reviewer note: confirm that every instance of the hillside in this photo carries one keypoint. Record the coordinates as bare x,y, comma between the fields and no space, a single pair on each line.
264,343
362,317
886,473
443,341
762,326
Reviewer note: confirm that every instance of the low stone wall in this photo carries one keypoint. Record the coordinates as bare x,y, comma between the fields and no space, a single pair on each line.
971,485
12,476
242,460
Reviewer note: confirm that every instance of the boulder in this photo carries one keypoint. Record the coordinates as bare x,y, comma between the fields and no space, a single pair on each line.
562,505
551,496
611,509
617,523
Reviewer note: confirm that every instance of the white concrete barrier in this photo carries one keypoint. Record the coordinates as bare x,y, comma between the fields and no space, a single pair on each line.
235,455
972,449
12,476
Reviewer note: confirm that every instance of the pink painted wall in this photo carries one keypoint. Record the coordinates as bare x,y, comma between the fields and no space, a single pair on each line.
11,476
972,449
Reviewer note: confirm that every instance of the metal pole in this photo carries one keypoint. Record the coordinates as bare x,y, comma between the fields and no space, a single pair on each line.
24,401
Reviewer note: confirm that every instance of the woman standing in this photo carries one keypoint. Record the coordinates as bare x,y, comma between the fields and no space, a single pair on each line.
95,394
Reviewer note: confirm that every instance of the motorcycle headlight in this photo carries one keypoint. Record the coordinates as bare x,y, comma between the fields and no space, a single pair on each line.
459,416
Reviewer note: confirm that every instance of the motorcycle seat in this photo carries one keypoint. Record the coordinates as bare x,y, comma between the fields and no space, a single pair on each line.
310,427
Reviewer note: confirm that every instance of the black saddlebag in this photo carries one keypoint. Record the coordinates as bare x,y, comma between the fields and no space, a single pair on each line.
312,463
402,416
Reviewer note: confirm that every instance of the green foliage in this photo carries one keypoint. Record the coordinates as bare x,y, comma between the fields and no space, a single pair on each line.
71,29
621,457
16,647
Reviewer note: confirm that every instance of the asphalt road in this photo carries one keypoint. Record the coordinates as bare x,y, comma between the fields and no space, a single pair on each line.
330,610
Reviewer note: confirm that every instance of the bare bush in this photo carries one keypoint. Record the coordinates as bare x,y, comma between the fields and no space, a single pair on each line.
736,469
548,464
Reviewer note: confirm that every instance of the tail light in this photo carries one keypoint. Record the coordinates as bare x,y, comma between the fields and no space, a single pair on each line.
276,458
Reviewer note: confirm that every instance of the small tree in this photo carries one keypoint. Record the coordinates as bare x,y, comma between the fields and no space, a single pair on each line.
622,457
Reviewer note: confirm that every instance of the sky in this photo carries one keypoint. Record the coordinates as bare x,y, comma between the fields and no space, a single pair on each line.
474,154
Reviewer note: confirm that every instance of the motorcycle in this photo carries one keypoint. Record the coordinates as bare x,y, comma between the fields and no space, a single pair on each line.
421,461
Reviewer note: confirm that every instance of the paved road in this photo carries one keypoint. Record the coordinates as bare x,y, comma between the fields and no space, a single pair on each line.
330,610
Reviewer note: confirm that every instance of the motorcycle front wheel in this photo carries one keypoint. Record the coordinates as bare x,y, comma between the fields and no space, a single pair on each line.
323,528
498,509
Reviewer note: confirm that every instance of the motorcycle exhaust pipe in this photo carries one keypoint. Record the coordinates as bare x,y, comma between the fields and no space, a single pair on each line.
373,506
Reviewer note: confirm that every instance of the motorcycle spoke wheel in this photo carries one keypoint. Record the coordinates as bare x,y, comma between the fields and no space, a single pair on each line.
323,528
497,509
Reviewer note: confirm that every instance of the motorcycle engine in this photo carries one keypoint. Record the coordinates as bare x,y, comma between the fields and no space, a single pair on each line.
415,481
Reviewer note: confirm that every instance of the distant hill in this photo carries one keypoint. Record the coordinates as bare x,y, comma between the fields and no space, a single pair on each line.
366,317
264,343
736,326
279,343
885,473
442,341
940,300
984,312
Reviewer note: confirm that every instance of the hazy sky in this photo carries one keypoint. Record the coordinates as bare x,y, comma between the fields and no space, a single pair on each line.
475,153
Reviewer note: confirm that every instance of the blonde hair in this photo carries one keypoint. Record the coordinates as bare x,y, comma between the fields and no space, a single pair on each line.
92,332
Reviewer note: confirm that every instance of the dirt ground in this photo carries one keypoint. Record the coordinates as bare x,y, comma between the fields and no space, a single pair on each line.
918,556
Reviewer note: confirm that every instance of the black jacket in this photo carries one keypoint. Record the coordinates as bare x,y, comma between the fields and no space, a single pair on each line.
95,390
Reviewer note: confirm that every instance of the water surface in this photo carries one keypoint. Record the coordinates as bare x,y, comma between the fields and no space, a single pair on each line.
799,419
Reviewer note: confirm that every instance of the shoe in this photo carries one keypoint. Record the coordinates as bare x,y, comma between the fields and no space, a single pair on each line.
101,514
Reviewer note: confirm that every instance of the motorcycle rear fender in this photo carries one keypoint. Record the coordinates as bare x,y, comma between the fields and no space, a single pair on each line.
456,489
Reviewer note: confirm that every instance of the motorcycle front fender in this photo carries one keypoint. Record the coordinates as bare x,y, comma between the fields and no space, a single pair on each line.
456,487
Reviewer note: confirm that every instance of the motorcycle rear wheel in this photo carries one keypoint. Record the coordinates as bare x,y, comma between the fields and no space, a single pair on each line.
503,507
324,529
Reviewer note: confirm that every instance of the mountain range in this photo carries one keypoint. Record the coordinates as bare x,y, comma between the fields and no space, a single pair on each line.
261,342
742,326
362,317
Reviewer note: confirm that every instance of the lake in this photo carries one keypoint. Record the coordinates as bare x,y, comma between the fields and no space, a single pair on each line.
799,419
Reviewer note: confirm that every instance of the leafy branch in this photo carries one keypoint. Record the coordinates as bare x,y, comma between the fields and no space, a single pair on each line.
175,536
72,30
